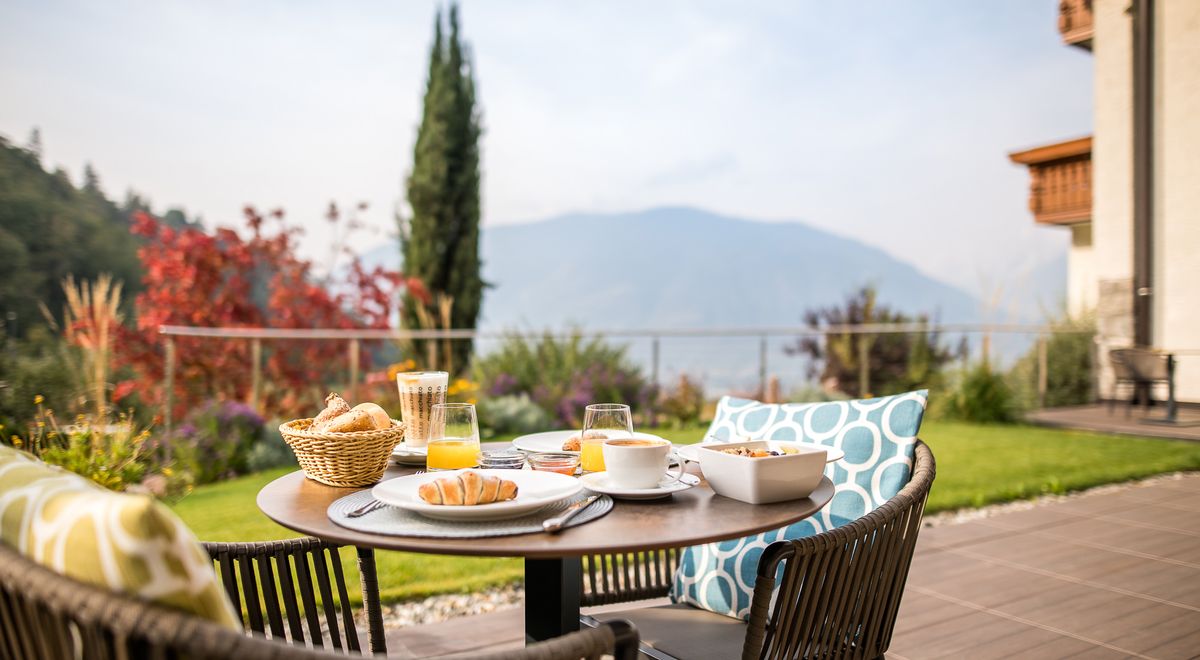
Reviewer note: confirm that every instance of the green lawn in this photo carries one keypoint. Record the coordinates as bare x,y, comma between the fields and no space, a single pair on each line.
976,465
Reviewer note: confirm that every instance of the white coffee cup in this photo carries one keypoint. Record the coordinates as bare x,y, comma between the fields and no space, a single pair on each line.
637,462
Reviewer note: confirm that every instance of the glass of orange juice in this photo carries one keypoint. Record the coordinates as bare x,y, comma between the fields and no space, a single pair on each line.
453,437
602,421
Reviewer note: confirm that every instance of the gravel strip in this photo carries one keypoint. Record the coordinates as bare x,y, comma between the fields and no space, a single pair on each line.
435,609
449,606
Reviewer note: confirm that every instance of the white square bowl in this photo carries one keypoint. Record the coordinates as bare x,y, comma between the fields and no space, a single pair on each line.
762,480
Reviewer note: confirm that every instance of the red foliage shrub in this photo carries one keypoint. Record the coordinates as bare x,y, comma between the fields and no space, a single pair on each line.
223,279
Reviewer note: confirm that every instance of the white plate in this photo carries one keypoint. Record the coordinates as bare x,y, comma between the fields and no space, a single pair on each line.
689,452
405,455
534,491
553,440
598,482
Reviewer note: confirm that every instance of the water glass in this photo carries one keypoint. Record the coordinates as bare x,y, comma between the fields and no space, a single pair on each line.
602,421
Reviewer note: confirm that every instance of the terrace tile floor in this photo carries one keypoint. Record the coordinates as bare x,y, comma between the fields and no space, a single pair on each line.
1100,418
1105,575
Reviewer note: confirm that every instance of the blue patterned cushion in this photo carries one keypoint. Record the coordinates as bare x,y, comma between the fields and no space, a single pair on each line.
877,435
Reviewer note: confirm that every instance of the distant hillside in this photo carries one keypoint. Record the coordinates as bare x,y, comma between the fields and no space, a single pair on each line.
683,268
48,229
687,268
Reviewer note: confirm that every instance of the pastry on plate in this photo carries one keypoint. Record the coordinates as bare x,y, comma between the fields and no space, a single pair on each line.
467,489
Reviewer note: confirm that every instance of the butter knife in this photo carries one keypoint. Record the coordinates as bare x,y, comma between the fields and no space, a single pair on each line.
556,523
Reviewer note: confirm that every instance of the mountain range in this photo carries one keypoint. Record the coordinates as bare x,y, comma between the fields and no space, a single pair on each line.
685,268
679,267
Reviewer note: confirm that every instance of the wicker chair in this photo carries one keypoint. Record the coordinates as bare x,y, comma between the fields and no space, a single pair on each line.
273,580
46,616
838,596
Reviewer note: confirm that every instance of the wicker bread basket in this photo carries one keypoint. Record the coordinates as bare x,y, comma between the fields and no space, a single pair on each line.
342,459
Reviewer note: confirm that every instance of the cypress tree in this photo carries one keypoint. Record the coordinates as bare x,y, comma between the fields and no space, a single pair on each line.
440,244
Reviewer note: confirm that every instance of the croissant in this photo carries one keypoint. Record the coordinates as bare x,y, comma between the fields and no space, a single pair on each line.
467,488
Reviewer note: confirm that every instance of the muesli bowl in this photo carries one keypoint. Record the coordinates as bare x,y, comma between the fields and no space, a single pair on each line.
792,474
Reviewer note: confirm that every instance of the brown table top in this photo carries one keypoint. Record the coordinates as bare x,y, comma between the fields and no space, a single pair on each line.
691,517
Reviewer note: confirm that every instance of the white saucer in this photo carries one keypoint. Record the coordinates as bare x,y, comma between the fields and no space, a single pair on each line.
597,482
405,455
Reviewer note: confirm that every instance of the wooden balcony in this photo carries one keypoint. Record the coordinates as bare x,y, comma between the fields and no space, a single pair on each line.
1075,22
1060,187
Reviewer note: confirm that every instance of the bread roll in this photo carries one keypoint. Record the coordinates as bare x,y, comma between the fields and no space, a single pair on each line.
379,416
334,406
355,420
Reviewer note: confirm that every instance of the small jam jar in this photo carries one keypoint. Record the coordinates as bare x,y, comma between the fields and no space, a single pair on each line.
559,462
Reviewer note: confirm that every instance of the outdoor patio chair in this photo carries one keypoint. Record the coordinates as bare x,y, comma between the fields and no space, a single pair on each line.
268,582
837,598
46,616
1142,368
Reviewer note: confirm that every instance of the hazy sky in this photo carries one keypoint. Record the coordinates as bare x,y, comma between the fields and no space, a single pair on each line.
884,121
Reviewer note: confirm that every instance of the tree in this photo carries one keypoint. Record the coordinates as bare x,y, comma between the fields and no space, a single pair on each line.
227,279
91,180
896,362
440,241
34,146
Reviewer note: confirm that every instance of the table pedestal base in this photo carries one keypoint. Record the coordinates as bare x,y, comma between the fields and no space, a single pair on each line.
552,594
376,640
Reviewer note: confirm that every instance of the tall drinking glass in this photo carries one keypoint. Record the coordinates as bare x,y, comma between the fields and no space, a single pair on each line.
602,421
453,437
420,391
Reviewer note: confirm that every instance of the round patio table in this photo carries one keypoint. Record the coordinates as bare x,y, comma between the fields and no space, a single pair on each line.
553,562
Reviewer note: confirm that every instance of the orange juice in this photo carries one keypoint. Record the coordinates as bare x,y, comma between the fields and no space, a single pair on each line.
591,455
451,454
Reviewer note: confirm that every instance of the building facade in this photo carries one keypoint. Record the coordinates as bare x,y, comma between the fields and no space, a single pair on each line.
1130,194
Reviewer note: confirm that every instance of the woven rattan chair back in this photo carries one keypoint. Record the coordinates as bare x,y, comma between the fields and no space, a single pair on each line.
293,591
841,589
621,578
45,616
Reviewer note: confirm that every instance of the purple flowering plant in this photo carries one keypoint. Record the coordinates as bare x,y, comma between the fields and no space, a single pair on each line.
217,438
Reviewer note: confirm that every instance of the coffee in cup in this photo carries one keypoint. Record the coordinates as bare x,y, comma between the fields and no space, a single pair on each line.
637,462
419,392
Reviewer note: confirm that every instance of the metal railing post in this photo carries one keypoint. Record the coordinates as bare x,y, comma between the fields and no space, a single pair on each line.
762,366
1043,370
169,395
654,347
255,371
354,353
864,366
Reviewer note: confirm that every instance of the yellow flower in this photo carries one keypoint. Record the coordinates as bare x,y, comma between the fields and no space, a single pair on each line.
167,472
41,425
37,400
16,440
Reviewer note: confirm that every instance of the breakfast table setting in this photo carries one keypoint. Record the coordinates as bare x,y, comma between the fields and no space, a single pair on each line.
557,499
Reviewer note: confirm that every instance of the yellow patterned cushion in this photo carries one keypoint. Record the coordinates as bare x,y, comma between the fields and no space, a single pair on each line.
130,544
